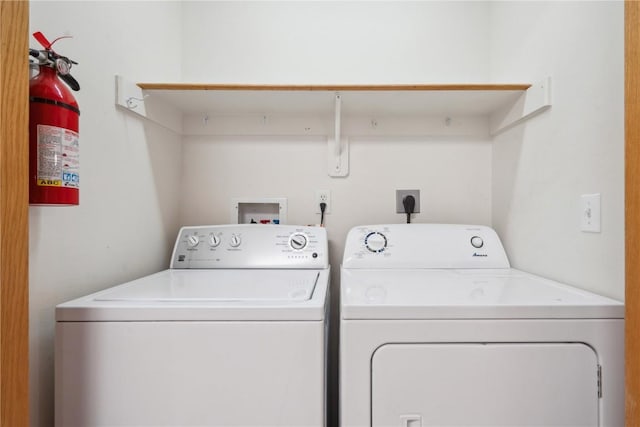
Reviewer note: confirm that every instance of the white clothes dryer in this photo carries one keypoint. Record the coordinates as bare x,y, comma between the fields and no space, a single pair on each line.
437,330
233,334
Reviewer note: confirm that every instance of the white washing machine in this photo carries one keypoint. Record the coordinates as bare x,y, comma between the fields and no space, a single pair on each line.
233,334
437,330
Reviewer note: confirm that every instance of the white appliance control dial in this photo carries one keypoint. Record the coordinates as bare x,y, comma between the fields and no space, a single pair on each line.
298,241
477,242
193,240
375,242
214,240
235,241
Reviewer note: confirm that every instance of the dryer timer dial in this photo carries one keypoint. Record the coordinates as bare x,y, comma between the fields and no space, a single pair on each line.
375,242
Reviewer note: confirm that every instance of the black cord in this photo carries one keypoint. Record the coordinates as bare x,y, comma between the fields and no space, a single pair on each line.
409,203
323,206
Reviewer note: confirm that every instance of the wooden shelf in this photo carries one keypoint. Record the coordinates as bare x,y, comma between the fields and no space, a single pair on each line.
334,88
335,112
394,100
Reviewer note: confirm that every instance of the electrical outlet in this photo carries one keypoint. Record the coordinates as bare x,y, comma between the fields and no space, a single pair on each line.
401,194
323,196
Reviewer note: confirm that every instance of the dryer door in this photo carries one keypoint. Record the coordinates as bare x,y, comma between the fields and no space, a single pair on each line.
493,384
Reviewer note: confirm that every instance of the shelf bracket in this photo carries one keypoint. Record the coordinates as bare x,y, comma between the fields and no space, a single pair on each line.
338,147
532,102
131,98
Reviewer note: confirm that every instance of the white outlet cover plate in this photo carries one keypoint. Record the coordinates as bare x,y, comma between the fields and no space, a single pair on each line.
590,213
319,194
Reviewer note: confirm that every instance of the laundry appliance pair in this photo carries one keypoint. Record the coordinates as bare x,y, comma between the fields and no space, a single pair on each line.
435,329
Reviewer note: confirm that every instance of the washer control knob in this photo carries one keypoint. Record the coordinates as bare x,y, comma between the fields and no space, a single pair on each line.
192,241
298,241
375,242
477,242
235,241
214,240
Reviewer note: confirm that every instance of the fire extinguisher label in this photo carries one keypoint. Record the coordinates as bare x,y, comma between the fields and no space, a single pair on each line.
58,157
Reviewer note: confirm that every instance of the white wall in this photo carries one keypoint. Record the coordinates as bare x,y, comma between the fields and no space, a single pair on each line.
452,175
541,169
335,42
129,172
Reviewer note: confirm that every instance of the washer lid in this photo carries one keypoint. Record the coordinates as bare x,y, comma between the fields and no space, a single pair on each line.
466,294
207,295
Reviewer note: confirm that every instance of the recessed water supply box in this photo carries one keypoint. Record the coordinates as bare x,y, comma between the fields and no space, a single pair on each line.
259,211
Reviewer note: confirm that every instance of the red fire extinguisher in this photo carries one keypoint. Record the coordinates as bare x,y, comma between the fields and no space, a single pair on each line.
54,156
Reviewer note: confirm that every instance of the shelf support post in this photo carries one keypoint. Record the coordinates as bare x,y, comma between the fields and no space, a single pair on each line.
338,147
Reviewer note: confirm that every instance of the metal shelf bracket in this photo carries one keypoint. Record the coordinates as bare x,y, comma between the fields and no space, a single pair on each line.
131,98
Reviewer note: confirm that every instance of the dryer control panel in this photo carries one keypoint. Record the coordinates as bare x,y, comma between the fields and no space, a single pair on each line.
251,246
424,246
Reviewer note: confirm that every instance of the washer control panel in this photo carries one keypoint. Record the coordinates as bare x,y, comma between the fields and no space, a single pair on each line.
424,246
251,246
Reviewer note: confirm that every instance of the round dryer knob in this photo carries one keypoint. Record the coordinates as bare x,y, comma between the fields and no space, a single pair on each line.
235,241
192,241
477,242
298,241
214,240
375,241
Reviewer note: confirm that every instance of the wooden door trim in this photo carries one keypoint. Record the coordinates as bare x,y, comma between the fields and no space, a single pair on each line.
14,214
632,213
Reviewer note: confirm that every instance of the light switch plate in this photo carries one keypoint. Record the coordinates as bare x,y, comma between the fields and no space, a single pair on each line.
590,213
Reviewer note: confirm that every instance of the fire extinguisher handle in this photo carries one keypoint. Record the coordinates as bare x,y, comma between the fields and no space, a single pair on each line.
68,79
40,56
